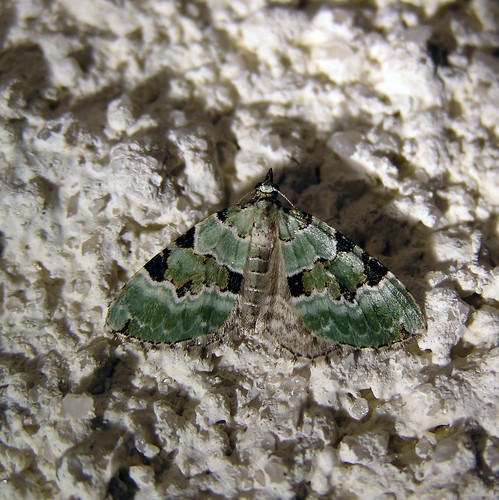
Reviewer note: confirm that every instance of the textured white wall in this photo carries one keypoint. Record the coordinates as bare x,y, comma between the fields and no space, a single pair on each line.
124,123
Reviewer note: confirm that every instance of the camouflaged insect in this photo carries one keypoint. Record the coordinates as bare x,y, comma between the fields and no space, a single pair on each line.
274,273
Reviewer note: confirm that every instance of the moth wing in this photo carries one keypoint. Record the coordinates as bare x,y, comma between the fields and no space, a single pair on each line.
339,291
187,290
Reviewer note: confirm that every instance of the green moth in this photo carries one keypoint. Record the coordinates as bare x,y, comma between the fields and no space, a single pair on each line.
273,273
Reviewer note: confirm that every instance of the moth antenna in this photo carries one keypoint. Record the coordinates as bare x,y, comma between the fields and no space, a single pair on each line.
252,192
287,199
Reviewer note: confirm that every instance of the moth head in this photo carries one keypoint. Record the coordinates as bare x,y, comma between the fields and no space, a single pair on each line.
267,188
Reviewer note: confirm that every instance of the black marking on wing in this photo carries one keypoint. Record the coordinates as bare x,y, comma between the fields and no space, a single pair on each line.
235,282
343,244
222,215
184,289
158,265
346,294
187,239
295,284
375,270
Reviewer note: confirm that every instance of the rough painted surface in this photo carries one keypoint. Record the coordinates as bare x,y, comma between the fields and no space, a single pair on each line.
124,125
231,273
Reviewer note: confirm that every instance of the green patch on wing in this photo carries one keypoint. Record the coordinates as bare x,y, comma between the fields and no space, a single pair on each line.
375,317
151,311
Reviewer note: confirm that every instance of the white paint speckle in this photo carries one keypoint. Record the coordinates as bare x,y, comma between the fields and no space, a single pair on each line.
77,406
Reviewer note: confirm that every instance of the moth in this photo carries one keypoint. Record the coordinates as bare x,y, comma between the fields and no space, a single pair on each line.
270,272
